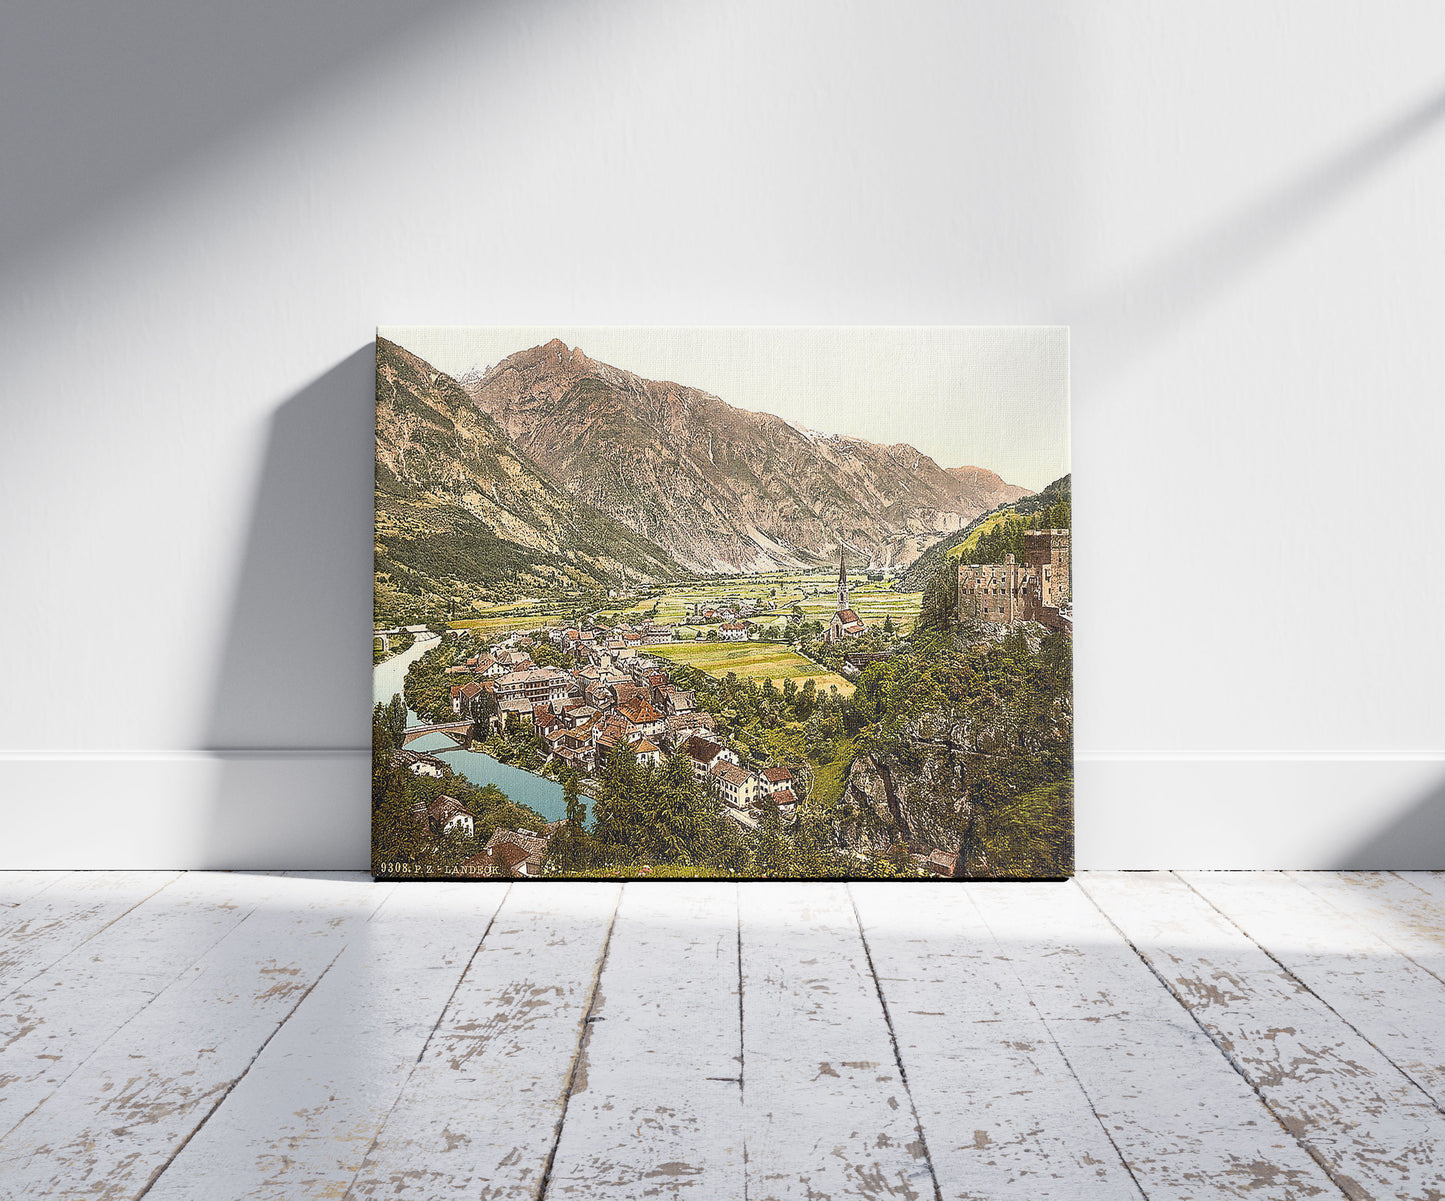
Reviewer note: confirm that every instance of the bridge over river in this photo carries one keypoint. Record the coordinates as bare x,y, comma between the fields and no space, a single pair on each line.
454,727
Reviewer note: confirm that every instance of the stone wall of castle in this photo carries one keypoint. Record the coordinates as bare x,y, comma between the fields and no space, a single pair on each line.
1035,590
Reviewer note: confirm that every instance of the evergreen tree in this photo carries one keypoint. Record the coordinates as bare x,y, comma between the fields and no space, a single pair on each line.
771,856
815,852
690,825
940,598
396,836
481,710
395,717
807,700
618,810
569,851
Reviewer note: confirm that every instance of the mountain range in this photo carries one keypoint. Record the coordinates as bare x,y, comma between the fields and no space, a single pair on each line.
552,470
721,489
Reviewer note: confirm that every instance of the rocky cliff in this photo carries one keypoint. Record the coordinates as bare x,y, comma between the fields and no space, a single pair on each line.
913,793
720,489
923,793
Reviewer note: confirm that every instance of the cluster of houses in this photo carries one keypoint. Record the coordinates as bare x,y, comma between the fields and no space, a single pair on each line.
720,612
611,696
509,853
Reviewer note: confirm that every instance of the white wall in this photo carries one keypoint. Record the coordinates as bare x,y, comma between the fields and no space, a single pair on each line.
205,208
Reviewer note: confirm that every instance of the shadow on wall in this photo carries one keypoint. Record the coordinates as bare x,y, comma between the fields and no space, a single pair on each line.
288,718
107,101
1414,841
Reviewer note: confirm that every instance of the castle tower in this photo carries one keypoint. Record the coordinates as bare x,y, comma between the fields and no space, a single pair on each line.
1046,552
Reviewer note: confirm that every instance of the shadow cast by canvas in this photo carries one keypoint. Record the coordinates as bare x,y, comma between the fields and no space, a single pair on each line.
288,713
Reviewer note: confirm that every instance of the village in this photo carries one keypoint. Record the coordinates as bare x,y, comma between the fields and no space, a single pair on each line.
607,693
600,691
613,696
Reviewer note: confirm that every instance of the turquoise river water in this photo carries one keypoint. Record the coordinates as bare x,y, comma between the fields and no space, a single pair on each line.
536,792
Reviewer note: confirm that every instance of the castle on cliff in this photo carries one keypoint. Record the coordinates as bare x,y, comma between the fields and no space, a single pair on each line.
1037,589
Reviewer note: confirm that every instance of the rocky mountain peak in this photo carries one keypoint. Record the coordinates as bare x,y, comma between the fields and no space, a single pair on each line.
721,488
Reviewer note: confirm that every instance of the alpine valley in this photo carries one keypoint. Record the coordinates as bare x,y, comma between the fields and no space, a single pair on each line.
626,630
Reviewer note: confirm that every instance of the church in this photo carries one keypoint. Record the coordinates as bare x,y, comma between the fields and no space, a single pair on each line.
845,623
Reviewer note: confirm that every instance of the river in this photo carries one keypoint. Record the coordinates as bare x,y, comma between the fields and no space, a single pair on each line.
536,792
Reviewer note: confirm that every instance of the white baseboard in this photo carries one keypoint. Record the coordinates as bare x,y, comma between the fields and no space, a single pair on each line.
309,808
185,809
1362,810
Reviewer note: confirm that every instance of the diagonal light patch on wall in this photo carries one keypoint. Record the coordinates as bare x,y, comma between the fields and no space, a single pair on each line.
1146,304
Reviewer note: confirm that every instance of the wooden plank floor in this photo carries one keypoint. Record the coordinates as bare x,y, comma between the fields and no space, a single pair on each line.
1126,1035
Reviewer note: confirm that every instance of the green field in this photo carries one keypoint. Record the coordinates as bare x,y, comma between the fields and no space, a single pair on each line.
816,591
985,526
776,594
505,625
752,661
830,780
872,602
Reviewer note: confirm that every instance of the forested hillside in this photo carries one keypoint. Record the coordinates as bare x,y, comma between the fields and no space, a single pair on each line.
997,533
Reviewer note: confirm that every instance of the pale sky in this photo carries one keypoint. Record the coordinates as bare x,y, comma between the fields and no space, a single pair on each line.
981,396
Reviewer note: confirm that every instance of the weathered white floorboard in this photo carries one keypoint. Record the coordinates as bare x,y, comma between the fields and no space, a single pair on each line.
479,1116
1432,884
47,925
54,1022
655,1109
227,1036
1403,908
17,886
300,1122
826,1111
1377,1133
1185,1123
124,1113
1001,1113
1391,1001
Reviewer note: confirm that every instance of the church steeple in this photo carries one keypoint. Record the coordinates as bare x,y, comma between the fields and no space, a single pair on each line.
842,578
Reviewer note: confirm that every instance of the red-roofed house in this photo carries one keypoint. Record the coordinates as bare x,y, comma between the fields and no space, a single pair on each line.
732,784
703,753
463,695
941,863
509,854
447,813
642,717
776,779
534,685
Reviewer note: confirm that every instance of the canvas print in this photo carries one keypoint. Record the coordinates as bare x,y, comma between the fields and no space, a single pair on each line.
767,603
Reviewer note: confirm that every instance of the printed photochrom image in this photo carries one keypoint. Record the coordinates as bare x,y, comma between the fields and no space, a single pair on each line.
768,603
